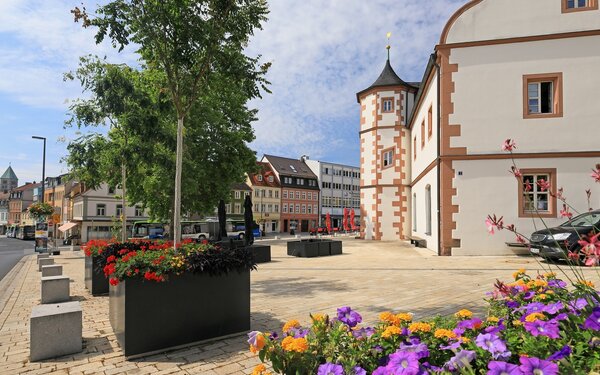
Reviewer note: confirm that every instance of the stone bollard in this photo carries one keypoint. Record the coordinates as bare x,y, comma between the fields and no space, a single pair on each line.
55,330
42,256
45,262
55,289
52,270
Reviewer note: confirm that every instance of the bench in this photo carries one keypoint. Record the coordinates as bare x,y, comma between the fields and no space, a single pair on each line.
418,242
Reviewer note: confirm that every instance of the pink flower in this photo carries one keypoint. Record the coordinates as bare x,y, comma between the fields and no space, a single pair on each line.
509,145
516,172
543,184
565,212
520,239
490,226
528,186
492,222
596,173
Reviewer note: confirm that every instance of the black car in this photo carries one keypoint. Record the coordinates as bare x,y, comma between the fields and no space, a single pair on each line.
556,243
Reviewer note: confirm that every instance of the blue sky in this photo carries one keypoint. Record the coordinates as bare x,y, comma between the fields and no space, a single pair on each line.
323,52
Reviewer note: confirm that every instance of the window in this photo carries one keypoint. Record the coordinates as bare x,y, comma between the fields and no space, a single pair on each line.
303,208
291,208
285,194
326,170
228,208
423,134
277,194
304,195
542,95
430,122
284,208
428,209
262,208
111,190
271,179
534,193
238,209
300,181
263,193
276,208
414,221
569,6
139,211
297,195
309,208
259,177
387,105
269,207
287,180
315,208
237,194
297,208
100,210
415,147
270,193
257,193
309,196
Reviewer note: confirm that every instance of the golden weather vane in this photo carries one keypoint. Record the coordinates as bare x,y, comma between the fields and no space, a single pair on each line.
389,34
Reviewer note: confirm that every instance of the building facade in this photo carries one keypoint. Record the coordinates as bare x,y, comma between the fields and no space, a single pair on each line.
3,212
340,189
235,206
534,82
299,193
266,198
8,180
97,211
19,201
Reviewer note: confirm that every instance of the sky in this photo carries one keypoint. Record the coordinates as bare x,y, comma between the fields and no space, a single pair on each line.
322,54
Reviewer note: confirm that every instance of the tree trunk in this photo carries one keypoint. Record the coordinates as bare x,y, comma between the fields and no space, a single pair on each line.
123,203
178,165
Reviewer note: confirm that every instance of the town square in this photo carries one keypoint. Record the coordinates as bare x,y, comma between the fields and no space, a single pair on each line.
266,187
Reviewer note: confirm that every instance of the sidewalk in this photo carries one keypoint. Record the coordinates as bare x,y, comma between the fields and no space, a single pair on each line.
371,277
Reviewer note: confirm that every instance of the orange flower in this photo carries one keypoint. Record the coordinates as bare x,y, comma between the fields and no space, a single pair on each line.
420,327
291,324
291,344
260,343
535,316
492,319
520,272
404,317
517,323
444,333
391,331
587,283
388,317
464,314
260,370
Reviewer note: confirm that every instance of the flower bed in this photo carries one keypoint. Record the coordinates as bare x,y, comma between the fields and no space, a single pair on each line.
534,326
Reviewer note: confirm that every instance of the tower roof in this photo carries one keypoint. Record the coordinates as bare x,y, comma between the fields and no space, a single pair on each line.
9,174
388,77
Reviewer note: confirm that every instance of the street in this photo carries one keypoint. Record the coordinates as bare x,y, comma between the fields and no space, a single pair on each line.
11,251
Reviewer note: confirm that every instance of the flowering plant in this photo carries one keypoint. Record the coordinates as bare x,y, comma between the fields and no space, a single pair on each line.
40,210
535,325
157,260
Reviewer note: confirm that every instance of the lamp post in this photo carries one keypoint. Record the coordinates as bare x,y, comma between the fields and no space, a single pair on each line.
43,165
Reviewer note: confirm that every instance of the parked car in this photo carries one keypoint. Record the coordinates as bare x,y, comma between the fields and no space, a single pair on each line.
556,243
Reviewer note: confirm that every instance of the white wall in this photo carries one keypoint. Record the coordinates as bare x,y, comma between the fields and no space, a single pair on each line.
426,155
498,19
486,187
419,189
488,101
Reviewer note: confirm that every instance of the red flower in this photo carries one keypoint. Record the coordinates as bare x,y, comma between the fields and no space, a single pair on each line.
509,145
123,251
109,269
110,259
113,281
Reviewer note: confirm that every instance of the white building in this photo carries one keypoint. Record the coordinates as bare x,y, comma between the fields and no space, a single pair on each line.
95,211
431,160
340,188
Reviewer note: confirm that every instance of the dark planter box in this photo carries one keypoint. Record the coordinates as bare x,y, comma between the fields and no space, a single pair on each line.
149,317
324,248
336,247
262,253
231,243
95,281
303,248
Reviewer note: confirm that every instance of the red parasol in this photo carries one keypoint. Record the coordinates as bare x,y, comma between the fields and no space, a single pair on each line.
345,220
328,222
353,226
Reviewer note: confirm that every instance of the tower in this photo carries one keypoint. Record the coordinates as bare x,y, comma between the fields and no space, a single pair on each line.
384,155
9,180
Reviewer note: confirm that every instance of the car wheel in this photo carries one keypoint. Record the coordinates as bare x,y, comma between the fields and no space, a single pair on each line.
241,236
202,237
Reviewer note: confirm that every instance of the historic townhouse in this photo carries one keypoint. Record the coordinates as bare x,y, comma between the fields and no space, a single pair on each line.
19,201
299,193
431,159
266,197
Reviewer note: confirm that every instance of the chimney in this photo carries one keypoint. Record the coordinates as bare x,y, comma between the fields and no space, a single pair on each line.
304,157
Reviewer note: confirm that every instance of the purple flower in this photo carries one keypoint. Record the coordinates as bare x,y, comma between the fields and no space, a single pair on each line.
503,368
529,295
273,336
556,283
381,370
491,343
512,304
562,353
534,307
561,316
554,308
403,363
593,321
469,324
535,366
330,369
363,333
460,360
253,338
458,331
455,345
496,329
359,370
541,328
420,349
298,332
348,316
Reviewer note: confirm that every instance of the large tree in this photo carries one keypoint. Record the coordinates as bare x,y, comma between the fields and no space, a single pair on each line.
196,43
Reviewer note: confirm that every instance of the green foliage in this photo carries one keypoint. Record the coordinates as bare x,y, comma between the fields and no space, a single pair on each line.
40,210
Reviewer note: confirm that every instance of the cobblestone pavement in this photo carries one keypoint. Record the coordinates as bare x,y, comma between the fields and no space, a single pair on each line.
371,277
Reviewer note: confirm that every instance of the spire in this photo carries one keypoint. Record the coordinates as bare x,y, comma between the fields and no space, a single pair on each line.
9,174
389,34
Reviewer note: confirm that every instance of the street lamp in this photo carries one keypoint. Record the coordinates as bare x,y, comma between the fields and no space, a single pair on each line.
43,164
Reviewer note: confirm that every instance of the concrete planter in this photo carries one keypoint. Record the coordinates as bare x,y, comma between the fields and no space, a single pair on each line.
262,253
95,281
149,317
314,247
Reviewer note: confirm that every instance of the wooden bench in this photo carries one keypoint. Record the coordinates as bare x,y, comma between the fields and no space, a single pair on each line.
418,242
